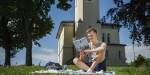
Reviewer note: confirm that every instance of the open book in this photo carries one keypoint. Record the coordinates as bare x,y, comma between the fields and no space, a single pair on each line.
81,44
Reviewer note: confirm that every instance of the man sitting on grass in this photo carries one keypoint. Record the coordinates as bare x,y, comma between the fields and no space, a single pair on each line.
92,59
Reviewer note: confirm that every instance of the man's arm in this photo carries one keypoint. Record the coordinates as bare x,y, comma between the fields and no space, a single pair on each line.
80,55
100,48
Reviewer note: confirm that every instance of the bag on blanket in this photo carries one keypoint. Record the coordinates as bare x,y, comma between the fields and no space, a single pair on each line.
53,65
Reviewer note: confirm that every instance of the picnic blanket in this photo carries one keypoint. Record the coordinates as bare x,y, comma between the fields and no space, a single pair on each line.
69,71
52,67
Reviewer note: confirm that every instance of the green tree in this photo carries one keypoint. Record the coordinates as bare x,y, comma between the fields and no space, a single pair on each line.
135,15
35,22
30,22
7,32
139,61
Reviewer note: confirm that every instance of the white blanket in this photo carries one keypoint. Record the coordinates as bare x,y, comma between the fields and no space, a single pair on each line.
69,71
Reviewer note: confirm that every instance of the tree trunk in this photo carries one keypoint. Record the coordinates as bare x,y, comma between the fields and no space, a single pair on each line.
6,40
28,43
7,57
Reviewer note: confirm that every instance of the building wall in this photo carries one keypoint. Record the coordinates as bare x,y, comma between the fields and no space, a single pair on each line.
115,55
114,34
78,12
82,27
68,43
86,10
86,14
65,44
90,10
60,46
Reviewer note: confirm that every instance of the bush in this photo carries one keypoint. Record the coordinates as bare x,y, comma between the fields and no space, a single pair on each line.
139,61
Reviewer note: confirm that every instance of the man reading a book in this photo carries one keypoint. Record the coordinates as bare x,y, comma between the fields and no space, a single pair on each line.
93,58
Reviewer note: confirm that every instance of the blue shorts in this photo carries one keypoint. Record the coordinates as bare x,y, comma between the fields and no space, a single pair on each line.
100,66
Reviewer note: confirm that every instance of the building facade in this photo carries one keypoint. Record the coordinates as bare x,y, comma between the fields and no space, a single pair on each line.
87,14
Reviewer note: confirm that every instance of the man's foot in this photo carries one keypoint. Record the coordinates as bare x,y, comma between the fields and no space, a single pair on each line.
89,70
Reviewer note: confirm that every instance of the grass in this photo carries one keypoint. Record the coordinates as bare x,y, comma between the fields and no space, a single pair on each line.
130,70
26,70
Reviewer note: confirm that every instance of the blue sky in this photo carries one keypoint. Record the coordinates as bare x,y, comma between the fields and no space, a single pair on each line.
48,50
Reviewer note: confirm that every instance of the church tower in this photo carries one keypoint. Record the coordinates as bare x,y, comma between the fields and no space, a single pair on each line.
86,15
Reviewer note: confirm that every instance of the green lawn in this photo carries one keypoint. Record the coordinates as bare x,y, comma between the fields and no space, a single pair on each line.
25,70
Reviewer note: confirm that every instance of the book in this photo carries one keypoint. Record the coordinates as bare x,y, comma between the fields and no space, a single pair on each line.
81,43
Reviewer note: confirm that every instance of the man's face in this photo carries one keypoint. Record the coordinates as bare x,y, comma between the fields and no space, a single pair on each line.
92,36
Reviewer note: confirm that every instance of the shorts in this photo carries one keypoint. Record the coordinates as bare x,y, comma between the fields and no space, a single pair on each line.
99,67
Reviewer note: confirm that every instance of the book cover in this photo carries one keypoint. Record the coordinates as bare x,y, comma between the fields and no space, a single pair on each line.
81,43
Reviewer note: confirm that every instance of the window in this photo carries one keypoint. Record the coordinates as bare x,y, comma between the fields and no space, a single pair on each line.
103,37
107,54
119,55
108,38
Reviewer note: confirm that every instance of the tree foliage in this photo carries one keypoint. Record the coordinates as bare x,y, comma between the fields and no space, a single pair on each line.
135,15
24,22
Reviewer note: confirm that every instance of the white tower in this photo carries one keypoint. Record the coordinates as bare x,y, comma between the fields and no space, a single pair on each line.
86,14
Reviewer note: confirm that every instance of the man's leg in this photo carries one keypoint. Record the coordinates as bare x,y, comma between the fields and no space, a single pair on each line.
96,61
101,66
80,64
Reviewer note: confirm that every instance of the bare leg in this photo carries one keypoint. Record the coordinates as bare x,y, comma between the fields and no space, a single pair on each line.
80,64
97,60
92,67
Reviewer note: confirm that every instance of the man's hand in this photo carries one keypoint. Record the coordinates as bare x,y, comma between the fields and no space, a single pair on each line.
82,54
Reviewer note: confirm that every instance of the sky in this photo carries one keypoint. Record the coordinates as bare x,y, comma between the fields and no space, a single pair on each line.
48,50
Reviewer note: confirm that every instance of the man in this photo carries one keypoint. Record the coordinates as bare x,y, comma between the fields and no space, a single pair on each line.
95,55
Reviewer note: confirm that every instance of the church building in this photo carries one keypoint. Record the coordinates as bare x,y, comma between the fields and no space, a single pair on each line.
87,15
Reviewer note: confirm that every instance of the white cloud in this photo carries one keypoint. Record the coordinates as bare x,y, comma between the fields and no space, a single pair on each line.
44,55
143,50
19,58
39,55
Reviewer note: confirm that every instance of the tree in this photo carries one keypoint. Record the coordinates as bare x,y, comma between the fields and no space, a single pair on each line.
139,61
6,30
6,41
35,22
64,5
29,22
135,15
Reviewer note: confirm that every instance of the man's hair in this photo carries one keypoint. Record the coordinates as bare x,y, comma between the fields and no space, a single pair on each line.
91,29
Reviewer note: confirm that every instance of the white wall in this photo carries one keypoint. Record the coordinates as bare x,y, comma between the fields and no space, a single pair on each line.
60,46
